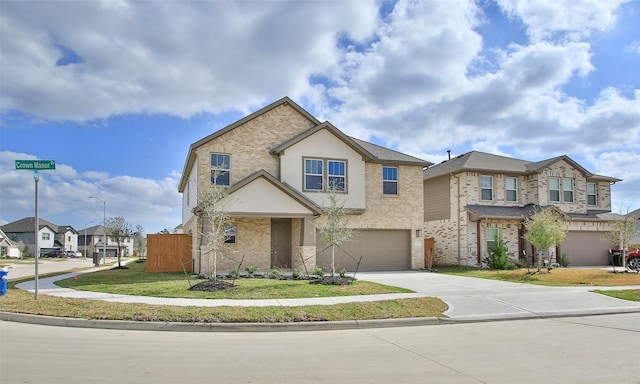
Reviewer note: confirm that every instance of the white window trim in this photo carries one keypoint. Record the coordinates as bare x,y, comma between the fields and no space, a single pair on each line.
396,181
515,189
482,188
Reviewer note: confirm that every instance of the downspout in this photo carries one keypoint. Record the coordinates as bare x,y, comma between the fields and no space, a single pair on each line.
478,244
458,222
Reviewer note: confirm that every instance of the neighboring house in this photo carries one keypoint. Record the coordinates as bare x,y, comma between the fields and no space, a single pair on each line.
50,236
472,199
635,215
91,240
277,163
8,248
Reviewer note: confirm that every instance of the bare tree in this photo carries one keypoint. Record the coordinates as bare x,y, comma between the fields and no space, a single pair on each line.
118,229
545,229
622,233
139,241
335,230
213,215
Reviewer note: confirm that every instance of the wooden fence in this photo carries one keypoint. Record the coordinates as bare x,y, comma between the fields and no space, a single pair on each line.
166,253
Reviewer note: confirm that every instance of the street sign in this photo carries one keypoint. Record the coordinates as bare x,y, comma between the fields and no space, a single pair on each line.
35,164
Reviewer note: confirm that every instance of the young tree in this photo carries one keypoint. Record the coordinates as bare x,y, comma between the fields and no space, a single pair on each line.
213,215
622,233
118,229
139,241
336,229
544,230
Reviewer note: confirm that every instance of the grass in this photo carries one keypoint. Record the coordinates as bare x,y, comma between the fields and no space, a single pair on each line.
20,301
625,294
557,277
135,281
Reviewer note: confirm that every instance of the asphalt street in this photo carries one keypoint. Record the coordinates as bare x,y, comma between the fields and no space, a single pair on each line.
595,349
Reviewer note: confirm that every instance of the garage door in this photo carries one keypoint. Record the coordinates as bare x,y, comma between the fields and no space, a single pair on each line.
381,250
586,248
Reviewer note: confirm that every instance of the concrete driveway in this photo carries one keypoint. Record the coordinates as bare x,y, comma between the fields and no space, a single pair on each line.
472,299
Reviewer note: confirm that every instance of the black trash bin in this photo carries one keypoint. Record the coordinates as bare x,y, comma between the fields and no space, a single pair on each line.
616,257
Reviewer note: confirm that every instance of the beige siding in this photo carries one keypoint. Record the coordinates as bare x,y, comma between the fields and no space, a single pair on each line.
437,199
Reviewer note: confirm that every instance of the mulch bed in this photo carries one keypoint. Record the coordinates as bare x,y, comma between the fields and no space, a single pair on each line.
212,286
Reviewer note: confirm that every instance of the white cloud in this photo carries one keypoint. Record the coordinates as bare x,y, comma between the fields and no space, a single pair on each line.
154,204
573,19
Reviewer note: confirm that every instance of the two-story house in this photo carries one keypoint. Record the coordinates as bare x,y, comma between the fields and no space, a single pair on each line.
51,236
472,199
91,240
277,164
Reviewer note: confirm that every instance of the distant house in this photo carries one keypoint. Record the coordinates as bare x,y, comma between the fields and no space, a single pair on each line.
50,236
473,199
277,163
8,248
635,215
91,240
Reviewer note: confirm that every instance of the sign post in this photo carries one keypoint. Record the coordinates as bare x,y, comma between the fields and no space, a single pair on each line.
36,165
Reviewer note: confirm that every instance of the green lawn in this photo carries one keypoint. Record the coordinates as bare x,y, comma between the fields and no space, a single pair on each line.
135,281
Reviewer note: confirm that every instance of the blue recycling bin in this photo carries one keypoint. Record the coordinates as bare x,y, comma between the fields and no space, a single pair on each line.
4,272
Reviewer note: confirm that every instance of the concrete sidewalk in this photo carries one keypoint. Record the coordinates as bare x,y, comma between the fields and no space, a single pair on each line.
469,299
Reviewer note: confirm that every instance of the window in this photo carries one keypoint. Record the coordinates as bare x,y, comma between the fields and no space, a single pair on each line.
46,236
487,187
492,237
592,194
567,187
337,176
229,234
390,180
512,188
554,189
313,174
220,167
321,174
68,238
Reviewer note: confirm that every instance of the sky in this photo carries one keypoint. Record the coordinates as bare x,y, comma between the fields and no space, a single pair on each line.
116,91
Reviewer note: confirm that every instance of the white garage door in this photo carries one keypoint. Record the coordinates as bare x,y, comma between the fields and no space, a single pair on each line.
381,250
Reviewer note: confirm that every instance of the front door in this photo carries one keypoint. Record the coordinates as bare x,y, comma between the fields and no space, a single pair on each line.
280,243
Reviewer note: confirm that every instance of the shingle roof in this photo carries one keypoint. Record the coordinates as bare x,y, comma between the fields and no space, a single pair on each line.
521,212
486,162
27,224
382,154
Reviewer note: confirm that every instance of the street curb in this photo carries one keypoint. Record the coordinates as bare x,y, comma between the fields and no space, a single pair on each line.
217,327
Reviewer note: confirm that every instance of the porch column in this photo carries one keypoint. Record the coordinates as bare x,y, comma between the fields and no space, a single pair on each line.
307,246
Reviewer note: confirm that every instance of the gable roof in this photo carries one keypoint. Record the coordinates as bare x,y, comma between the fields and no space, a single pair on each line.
486,162
191,155
332,129
283,187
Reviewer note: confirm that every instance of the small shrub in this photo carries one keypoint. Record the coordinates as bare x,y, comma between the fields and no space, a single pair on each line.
275,274
498,256
235,273
342,272
296,273
521,263
564,261
318,271
251,269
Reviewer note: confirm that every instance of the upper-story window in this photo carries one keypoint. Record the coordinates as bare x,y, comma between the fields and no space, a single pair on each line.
46,236
554,189
337,173
230,234
220,168
390,180
511,188
592,194
486,182
316,171
567,188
